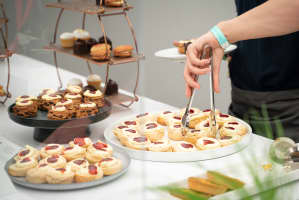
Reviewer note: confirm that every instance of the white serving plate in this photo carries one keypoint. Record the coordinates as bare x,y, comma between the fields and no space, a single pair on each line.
176,156
173,54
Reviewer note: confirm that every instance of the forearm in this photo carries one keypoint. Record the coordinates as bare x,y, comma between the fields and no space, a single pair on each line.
273,18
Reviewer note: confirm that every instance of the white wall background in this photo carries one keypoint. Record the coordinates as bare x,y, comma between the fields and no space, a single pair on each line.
157,23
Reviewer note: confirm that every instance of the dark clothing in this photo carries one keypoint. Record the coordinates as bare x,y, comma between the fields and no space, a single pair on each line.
265,71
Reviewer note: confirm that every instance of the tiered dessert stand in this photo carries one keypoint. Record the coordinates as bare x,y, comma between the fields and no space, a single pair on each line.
89,7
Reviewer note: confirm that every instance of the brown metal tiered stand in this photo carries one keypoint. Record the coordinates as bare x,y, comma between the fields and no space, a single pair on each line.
5,53
89,7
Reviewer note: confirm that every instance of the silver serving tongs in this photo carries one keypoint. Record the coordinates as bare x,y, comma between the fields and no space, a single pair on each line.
185,120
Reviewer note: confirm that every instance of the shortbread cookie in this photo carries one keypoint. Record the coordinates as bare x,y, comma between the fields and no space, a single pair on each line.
77,164
222,118
205,125
206,143
90,173
176,132
160,146
192,135
233,128
21,167
196,118
153,131
132,124
73,152
29,151
60,176
98,151
191,111
126,134
37,175
183,146
163,117
145,117
138,143
51,149
82,142
118,129
110,165
55,161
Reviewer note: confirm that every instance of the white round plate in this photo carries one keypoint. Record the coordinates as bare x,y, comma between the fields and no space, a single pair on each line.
173,54
177,156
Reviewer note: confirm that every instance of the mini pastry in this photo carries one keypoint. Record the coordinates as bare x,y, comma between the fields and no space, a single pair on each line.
29,151
81,34
176,132
205,125
196,118
175,119
222,118
182,45
94,96
98,151
86,110
82,142
138,143
153,131
90,42
67,40
163,117
132,124
114,3
37,175
25,108
21,167
182,146
76,99
123,51
112,88
124,135
80,47
68,104
74,89
51,149
102,40
100,52
208,111
75,81
110,165
206,143
60,176
95,81
55,161
233,128
145,117
191,111
77,164
73,152
228,140
90,173
27,98
49,100
160,146
118,130
193,135
47,91
59,113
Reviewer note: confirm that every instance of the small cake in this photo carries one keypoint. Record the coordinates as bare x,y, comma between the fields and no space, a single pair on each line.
124,135
118,129
100,52
102,40
73,152
196,118
206,143
110,165
98,151
95,81
47,91
74,89
49,100
76,99
77,164
163,117
27,98
81,34
114,3
176,132
145,117
67,40
68,104
25,108
191,111
28,151
82,142
222,118
37,175
86,110
192,135
94,96
138,143
59,113
80,47
60,176
182,45
160,146
112,88
123,51
228,140
51,149
232,128
75,81
55,161
153,131
90,42
90,173
21,167
183,146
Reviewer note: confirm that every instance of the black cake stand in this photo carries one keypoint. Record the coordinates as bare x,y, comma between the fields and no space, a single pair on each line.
60,131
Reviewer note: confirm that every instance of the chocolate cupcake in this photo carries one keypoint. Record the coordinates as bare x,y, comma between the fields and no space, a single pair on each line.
90,43
102,41
112,88
80,47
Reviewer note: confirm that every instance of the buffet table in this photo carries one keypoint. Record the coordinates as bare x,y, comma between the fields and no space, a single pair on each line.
30,76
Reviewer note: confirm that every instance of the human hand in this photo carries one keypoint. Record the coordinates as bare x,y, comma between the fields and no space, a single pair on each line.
196,66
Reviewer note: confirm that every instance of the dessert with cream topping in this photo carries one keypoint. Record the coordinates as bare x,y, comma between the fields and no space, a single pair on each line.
25,108
94,96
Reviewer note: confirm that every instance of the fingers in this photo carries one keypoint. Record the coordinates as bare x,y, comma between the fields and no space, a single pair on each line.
188,91
217,58
196,70
194,54
190,80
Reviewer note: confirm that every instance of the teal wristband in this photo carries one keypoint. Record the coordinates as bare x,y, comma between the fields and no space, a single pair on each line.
220,37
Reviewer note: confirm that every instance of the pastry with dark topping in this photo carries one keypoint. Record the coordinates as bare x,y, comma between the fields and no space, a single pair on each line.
80,47
102,41
112,88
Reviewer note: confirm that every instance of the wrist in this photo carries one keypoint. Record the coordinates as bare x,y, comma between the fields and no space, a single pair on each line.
220,37
226,28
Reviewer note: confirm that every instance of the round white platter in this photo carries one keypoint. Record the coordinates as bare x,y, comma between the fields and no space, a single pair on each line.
177,156
173,54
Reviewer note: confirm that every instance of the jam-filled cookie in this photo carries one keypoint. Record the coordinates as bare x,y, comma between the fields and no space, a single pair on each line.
205,125
206,143
55,161
73,152
118,129
145,117
110,165
160,146
196,118
28,151
163,117
63,175
233,128
175,119
192,135
51,149
138,143
229,139
176,132
126,134
21,167
222,118
82,142
153,131
191,111
77,164
183,146
89,173
98,151
38,174
131,123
